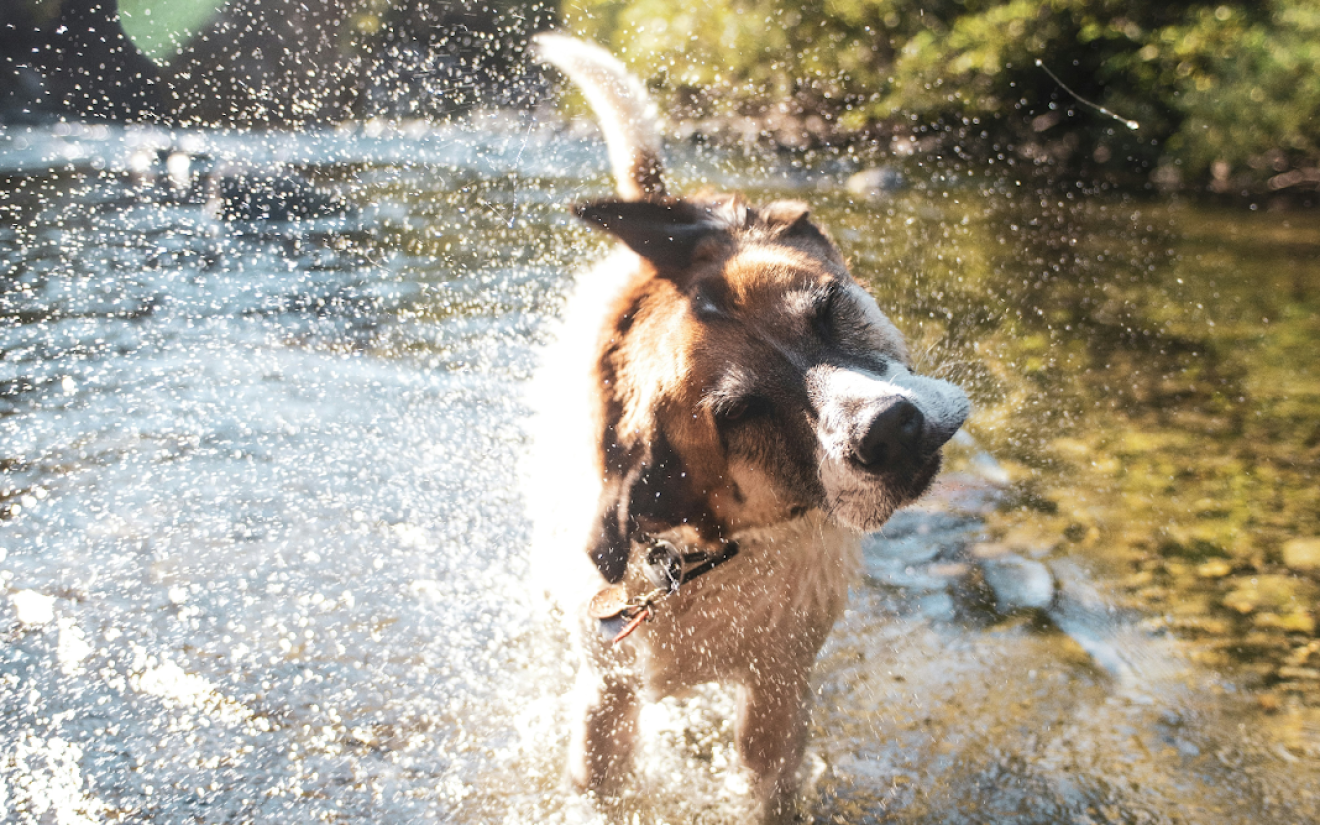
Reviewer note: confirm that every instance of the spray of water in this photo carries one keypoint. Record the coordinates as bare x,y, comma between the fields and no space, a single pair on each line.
1131,124
260,554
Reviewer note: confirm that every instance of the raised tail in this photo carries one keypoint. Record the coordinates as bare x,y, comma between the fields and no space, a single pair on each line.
625,111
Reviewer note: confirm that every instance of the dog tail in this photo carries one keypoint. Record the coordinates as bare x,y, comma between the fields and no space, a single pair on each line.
626,113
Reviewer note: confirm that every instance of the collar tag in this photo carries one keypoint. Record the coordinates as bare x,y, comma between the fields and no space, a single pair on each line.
609,602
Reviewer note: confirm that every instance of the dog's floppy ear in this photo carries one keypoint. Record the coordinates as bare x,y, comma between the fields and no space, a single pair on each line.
664,233
791,219
788,216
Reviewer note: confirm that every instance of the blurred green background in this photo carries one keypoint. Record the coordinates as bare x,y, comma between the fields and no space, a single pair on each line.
160,27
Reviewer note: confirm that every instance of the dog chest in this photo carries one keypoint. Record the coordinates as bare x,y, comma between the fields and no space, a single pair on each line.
770,607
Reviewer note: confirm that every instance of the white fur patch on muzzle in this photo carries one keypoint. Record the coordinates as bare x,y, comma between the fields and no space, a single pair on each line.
878,437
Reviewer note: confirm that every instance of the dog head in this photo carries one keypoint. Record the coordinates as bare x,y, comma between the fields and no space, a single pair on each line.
746,379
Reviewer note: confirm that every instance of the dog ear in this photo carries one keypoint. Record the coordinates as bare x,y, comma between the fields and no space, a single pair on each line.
791,219
664,233
786,216
645,490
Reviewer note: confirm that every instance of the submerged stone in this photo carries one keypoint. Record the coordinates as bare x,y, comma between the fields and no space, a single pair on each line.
1269,592
1302,554
1296,621
876,182
275,195
1214,569
1018,583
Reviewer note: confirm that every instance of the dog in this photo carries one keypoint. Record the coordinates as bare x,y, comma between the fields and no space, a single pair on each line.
725,410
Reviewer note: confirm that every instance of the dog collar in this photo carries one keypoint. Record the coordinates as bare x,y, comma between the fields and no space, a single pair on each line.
667,568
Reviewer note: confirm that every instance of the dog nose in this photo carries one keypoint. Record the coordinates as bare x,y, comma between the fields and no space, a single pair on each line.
895,430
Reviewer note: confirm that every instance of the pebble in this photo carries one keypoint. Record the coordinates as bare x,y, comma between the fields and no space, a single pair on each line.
906,552
1302,554
1271,592
1018,583
876,182
1214,569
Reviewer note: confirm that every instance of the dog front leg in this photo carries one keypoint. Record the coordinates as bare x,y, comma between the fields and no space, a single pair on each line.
772,734
601,751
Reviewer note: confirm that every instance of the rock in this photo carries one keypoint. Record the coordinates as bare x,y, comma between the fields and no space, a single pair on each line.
904,553
938,606
1310,674
1214,569
1298,620
240,193
1018,583
919,578
1276,593
876,182
1082,612
1302,554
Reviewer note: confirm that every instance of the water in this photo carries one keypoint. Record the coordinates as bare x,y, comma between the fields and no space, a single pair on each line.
262,557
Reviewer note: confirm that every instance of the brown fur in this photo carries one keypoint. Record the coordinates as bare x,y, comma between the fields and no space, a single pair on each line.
743,388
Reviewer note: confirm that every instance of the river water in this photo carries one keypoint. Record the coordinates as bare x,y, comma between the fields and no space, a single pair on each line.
262,558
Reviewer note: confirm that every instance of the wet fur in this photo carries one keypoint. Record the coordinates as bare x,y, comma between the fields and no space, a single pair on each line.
711,382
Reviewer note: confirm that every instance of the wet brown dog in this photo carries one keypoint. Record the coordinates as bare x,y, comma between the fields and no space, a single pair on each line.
723,399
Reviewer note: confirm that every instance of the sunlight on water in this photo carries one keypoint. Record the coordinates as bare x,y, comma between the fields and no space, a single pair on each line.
263,561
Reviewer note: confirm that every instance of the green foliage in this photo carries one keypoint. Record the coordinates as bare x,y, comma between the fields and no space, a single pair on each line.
832,51
1219,88
1249,86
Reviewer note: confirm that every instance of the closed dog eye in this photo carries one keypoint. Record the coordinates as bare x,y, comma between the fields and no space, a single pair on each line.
743,409
843,327
823,311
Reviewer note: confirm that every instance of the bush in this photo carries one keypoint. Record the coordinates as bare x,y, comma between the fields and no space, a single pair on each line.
1225,92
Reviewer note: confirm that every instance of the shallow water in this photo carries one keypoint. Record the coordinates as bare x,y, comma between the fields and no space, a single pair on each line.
262,557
